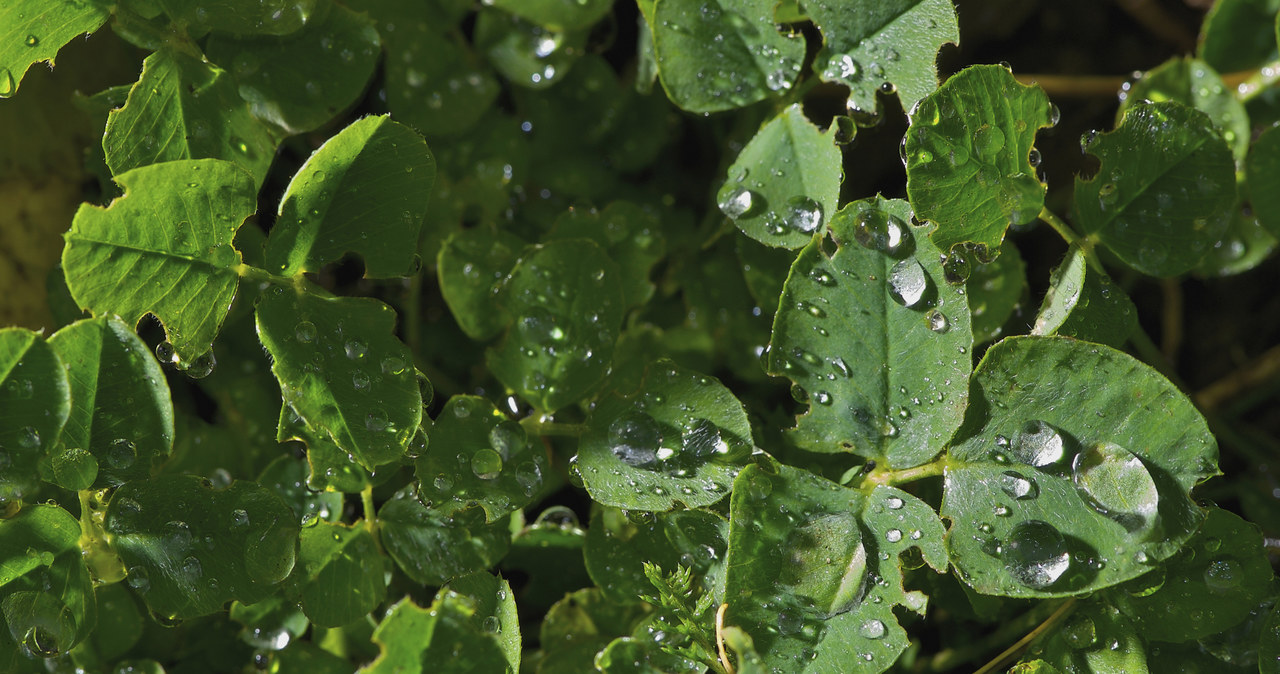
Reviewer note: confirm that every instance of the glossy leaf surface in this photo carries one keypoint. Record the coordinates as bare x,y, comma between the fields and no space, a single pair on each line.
433,548
1194,83
809,570
164,248
121,410
186,108
342,370
495,611
1163,194
1085,304
470,263
374,176
629,233
994,290
871,46
567,303
1050,499
480,458
35,401
340,574
968,156
785,184
749,62
875,340
440,640
1262,170
46,595
34,30
190,548
300,82
681,438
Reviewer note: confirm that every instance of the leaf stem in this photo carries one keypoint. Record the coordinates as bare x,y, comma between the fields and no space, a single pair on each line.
1012,652
1254,82
370,514
894,477
951,658
1253,374
251,273
536,426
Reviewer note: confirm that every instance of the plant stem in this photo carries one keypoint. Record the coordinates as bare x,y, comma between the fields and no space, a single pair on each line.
1069,235
1171,319
1075,86
535,426
252,273
893,477
1257,372
952,658
370,515
1255,82
1012,652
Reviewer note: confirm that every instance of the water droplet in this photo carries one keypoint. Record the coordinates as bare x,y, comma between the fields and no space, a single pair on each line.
121,453
877,230
893,502
893,535
355,350
443,482
359,380
822,277
828,563
192,570
937,321
703,439
165,353
393,366
738,202
1018,487
1223,575
1035,554
1033,157
872,629
988,141
28,438
1038,444
486,464
1115,482
907,282
376,421
239,518
305,332
955,265
491,624
7,85
31,41
803,214
635,439
841,366
842,66
507,438
1080,632
138,579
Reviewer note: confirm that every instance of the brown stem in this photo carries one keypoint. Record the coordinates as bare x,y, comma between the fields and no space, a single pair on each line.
1075,86
1251,375
1155,19
1171,320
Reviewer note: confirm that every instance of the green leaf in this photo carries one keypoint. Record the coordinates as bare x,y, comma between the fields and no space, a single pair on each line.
1262,171
1209,587
785,184
813,568
331,469
270,622
35,401
680,439
1085,304
1194,83
340,574
432,548
875,340
121,411
343,371
1163,194
287,476
176,534
1246,244
119,622
304,657
644,655
495,611
164,248
527,54
1238,34
557,14
579,626
34,30
566,297
871,45
303,81
995,289
1096,638
374,176
470,263
619,543
440,639
265,17
46,595
968,156
479,458
1072,470
727,56
1269,644
629,233
185,108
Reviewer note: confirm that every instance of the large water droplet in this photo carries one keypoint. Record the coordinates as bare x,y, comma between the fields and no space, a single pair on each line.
1223,575
877,230
1035,554
702,440
635,439
507,438
486,464
7,85
121,454
937,321
1038,444
803,214
872,629
201,367
907,282
738,202
988,141
828,563
1080,632
138,579
305,332
1018,487
1115,482
842,66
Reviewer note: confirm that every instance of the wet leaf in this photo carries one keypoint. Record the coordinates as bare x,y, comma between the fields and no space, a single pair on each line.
470,263
722,55
164,248
340,574
1194,83
631,235
619,543
581,625
375,176
266,17
871,45
46,595
1262,170
35,402
995,290
968,156
874,338
190,548
1238,34
495,611
784,186
681,438
1085,304
557,14
1163,194
34,30
440,639
1054,499
433,548
1096,637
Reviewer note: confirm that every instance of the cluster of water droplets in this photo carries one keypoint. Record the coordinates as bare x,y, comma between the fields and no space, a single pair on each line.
798,215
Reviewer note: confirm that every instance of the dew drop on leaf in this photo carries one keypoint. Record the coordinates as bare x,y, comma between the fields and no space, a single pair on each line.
7,86
872,629
486,464
1115,482
635,438
138,579
121,453
738,202
1038,444
305,332
907,282
829,563
988,141
1223,575
702,440
937,321
880,231
1035,554
1080,632
1018,487
507,438
803,214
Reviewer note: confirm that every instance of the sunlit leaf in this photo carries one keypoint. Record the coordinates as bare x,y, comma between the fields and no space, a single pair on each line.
34,30
46,595
1085,304
35,402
